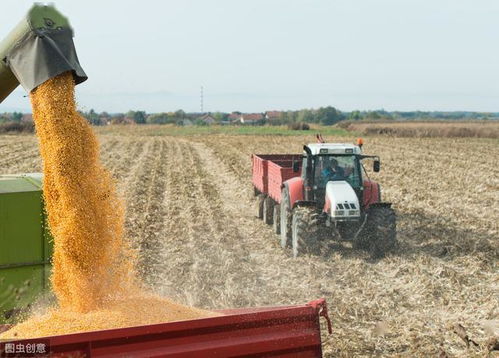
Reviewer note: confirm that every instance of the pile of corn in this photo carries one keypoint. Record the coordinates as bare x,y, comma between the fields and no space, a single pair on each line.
93,267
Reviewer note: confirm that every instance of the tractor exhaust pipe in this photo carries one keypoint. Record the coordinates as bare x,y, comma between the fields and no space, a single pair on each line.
307,183
38,48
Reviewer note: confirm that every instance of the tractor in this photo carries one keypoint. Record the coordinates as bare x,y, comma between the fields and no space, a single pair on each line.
324,194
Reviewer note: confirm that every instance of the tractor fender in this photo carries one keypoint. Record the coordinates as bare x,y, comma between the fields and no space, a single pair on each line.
371,194
294,186
327,206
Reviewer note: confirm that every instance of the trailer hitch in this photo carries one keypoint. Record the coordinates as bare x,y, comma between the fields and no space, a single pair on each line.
320,307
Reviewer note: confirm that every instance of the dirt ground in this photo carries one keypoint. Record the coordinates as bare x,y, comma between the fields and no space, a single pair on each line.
190,209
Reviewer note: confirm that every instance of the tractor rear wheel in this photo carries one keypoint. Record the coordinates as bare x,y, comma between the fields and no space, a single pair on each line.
277,219
285,219
268,210
380,232
259,206
305,231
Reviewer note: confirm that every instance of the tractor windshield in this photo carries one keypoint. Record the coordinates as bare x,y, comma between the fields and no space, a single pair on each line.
336,167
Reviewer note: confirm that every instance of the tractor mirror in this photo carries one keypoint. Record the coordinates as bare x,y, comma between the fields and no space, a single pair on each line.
296,167
376,166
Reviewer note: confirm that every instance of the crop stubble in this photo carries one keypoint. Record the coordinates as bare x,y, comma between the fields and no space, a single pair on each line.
189,208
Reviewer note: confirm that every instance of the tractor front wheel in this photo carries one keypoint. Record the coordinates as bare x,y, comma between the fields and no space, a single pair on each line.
305,231
379,235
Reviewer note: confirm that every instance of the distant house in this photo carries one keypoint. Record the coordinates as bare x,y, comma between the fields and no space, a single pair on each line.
251,118
208,119
105,119
272,115
122,120
27,117
234,117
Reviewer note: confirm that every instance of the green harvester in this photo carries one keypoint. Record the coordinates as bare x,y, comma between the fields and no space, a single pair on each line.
25,243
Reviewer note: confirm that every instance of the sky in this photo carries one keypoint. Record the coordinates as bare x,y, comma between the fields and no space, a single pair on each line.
260,55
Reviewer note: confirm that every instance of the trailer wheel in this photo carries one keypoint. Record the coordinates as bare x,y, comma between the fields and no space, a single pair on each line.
268,210
277,219
259,206
305,231
380,232
285,222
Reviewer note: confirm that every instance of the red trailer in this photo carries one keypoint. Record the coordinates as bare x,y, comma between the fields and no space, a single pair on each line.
270,171
287,331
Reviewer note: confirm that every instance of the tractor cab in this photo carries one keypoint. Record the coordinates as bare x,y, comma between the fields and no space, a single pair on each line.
333,179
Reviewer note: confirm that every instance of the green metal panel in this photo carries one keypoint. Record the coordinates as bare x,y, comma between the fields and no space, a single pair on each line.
19,287
25,245
39,16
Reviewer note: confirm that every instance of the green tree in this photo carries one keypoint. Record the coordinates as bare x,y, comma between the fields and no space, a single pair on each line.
284,117
158,118
140,117
373,115
328,115
92,117
355,115
220,116
17,116
308,116
180,114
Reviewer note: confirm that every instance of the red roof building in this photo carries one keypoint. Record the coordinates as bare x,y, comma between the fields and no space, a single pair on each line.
251,118
272,115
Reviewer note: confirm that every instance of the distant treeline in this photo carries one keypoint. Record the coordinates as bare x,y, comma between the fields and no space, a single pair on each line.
324,116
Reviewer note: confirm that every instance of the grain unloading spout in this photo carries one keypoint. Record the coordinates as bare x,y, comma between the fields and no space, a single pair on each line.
38,48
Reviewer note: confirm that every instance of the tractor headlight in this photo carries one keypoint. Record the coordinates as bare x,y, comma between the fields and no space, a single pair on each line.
353,212
339,212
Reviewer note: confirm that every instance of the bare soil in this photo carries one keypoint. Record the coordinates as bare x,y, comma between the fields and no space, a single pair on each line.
190,210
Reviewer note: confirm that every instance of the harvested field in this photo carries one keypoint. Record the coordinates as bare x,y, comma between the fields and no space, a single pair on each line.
460,129
190,210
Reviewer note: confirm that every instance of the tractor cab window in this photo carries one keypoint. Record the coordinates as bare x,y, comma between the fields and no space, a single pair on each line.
336,167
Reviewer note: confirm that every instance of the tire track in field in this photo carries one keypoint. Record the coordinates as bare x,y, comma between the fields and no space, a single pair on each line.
255,239
204,263
144,189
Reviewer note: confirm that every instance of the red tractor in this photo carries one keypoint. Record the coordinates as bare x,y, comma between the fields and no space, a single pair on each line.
323,194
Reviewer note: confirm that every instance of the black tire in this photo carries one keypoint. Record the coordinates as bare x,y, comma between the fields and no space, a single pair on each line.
379,235
305,231
259,206
276,225
285,219
268,210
